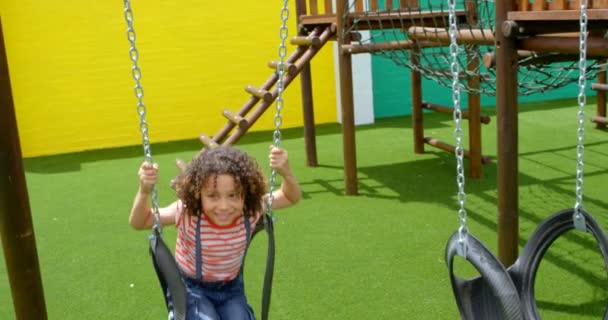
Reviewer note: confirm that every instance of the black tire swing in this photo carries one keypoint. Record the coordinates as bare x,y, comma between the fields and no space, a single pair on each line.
167,271
508,293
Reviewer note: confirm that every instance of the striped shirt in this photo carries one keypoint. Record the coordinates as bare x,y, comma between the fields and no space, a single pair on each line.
222,247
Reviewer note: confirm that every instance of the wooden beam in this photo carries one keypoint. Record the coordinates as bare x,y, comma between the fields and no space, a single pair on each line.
600,110
387,46
305,41
235,118
207,141
441,35
290,68
599,87
531,58
347,107
507,179
259,93
574,15
450,148
417,104
596,46
16,226
513,28
367,21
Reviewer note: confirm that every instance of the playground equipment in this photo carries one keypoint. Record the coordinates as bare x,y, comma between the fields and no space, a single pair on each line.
414,35
319,23
501,293
520,30
16,228
541,37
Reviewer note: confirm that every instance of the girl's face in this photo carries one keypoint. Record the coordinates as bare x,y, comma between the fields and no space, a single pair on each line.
222,200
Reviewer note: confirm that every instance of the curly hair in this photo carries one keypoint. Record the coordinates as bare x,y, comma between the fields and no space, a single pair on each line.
217,161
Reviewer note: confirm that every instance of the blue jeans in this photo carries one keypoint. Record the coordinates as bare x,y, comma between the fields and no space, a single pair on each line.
223,300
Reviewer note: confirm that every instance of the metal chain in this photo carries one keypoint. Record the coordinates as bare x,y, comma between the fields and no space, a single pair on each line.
579,219
141,107
278,119
459,151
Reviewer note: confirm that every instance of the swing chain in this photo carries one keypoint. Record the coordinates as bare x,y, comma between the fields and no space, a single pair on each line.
141,107
579,219
459,150
279,102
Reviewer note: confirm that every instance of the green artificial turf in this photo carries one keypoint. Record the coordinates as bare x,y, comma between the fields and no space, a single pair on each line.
379,255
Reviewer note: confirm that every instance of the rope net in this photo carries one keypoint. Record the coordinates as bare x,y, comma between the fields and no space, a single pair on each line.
415,35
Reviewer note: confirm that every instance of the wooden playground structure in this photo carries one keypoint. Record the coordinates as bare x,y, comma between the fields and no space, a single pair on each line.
521,28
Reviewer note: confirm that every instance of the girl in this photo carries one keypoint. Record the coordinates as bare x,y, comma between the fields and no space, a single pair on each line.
221,197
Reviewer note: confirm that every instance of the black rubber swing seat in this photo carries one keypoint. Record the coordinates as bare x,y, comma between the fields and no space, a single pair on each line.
169,276
172,283
500,293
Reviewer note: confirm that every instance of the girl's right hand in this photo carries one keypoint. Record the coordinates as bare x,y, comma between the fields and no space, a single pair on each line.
148,176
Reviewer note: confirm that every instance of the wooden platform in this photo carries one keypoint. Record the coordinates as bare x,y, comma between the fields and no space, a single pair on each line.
558,15
383,20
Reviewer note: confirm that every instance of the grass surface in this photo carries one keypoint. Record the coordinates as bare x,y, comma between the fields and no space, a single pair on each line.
379,255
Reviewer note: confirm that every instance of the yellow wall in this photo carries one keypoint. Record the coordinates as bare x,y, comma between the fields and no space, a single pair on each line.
71,80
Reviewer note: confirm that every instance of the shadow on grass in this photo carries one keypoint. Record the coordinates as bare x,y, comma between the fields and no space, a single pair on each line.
595,307
432,180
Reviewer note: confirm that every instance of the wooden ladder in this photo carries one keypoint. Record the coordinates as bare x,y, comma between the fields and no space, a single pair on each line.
263,96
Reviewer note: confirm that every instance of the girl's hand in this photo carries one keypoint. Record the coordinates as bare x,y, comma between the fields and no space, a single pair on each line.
148,176
279,161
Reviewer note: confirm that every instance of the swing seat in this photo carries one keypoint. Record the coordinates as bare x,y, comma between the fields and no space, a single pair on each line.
172,283
523,271
169,276
268,226
493,295
501,293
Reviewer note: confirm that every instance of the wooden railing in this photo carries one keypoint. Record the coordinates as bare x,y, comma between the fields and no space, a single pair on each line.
544,5
324,7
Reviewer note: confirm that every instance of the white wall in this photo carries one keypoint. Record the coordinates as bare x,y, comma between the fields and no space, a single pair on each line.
362,85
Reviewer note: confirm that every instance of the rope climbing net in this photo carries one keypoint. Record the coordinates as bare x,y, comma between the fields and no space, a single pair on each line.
415,34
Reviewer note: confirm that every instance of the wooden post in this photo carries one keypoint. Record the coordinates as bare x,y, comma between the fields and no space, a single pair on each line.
358,5
310,141
417,114
389,4
507,133
314,7
541,5
347,104
600,4
373,5
601,99
328,7
474,101
474,108
16,228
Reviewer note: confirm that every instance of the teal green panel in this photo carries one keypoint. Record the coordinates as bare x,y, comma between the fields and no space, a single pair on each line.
392,91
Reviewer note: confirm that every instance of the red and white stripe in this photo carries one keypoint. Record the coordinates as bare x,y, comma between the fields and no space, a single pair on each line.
222,247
